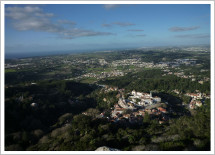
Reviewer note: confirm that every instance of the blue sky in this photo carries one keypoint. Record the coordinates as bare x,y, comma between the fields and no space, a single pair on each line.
58,27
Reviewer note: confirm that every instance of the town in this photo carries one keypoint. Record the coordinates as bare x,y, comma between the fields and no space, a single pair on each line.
92,69
138,104
155,99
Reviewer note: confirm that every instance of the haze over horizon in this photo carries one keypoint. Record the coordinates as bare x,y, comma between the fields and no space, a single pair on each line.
54,27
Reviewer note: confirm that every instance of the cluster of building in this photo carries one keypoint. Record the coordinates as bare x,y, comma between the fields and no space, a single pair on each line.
104,74
176,63
179,74
138,63
135,108
196,99
102,62
107,88
195,103
186,61
199,49
144,99
182,75
135,62
7,66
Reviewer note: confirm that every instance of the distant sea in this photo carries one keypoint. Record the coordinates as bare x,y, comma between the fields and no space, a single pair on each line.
38,54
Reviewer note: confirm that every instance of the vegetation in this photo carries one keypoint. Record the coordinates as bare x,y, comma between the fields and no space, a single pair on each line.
153,80
45,110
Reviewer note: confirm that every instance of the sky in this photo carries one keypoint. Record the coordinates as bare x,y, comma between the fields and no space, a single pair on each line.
76,27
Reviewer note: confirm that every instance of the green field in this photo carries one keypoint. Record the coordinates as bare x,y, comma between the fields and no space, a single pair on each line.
9,70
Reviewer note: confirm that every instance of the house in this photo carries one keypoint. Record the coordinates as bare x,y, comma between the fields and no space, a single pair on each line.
199,103
162,109
161,122
118,95
201,82
126,116
195,96
122,103
141,112
154,110
176,91
192,105
113,88
136,114
148,111
116,106
130,104
134,93
102,114
207,96
195,103
119,110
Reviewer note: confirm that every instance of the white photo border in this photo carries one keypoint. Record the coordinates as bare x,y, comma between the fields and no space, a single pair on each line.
211,3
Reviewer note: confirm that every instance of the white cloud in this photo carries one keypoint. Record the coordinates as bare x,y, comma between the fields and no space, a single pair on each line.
194,36
106,25
74,33
141,35
34,18
110,6
31,18
123,24
67,22
179,29
19,13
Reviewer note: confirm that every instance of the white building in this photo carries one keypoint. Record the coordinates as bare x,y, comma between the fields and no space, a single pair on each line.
33,104
157,99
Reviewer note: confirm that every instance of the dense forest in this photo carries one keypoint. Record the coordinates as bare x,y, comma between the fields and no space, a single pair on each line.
56,121
153,80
